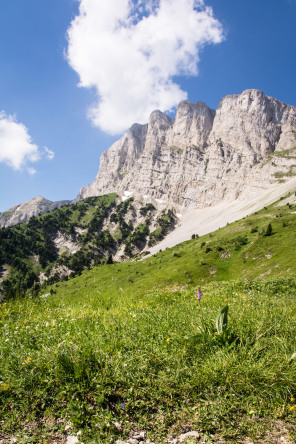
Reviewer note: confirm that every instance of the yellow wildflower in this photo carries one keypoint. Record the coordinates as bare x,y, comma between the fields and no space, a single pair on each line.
292,408
168,339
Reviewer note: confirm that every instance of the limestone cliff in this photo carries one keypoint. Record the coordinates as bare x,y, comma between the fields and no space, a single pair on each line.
203,157
198,159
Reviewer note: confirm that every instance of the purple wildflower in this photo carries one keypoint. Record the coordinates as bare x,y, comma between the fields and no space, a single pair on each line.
122,405
199,294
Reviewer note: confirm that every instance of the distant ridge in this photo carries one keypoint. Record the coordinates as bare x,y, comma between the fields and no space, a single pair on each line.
22,212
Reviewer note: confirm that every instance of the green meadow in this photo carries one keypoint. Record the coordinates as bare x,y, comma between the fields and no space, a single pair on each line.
130,347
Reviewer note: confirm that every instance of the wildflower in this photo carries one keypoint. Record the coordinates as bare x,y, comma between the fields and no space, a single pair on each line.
122,405
292,398
168,339
292,408
199,294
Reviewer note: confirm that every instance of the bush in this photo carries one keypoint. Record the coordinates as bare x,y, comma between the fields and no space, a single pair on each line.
240,241
146,209
261,231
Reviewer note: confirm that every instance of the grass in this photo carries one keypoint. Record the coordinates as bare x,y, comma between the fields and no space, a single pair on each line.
290,173
284,154
129,343
90,361
175,149
289,153
6,213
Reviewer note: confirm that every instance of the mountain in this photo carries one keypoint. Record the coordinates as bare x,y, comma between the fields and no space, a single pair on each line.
203,157
22,212
74,237
200,159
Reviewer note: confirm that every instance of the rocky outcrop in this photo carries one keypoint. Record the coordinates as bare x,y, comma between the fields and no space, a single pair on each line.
203,157
253,121
22,212
118,160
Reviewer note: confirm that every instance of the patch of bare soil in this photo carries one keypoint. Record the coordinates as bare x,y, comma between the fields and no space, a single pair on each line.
32,433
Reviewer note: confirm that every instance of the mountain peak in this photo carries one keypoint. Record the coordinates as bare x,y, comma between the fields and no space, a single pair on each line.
22,212
200,158
203,157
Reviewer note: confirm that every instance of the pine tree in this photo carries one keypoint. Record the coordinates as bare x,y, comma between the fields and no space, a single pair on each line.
269,230
110,260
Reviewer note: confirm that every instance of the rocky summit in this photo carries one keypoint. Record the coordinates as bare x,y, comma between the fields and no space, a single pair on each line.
199,159
22,212
203,157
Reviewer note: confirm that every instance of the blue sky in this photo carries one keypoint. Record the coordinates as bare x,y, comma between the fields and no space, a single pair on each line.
241,45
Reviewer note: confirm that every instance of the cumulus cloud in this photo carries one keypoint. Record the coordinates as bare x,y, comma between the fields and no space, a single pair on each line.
130,51
16,146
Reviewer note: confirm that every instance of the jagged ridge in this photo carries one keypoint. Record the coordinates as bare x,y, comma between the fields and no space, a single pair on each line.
203,157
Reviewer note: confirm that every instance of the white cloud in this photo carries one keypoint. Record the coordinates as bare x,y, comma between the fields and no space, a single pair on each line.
49,153
16,146
131,50
31,171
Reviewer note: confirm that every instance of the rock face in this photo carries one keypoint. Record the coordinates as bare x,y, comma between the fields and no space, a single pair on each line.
203,157
199,159
23,212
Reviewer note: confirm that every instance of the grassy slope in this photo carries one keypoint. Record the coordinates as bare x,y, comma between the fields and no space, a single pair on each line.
96,228
189,263
111,345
